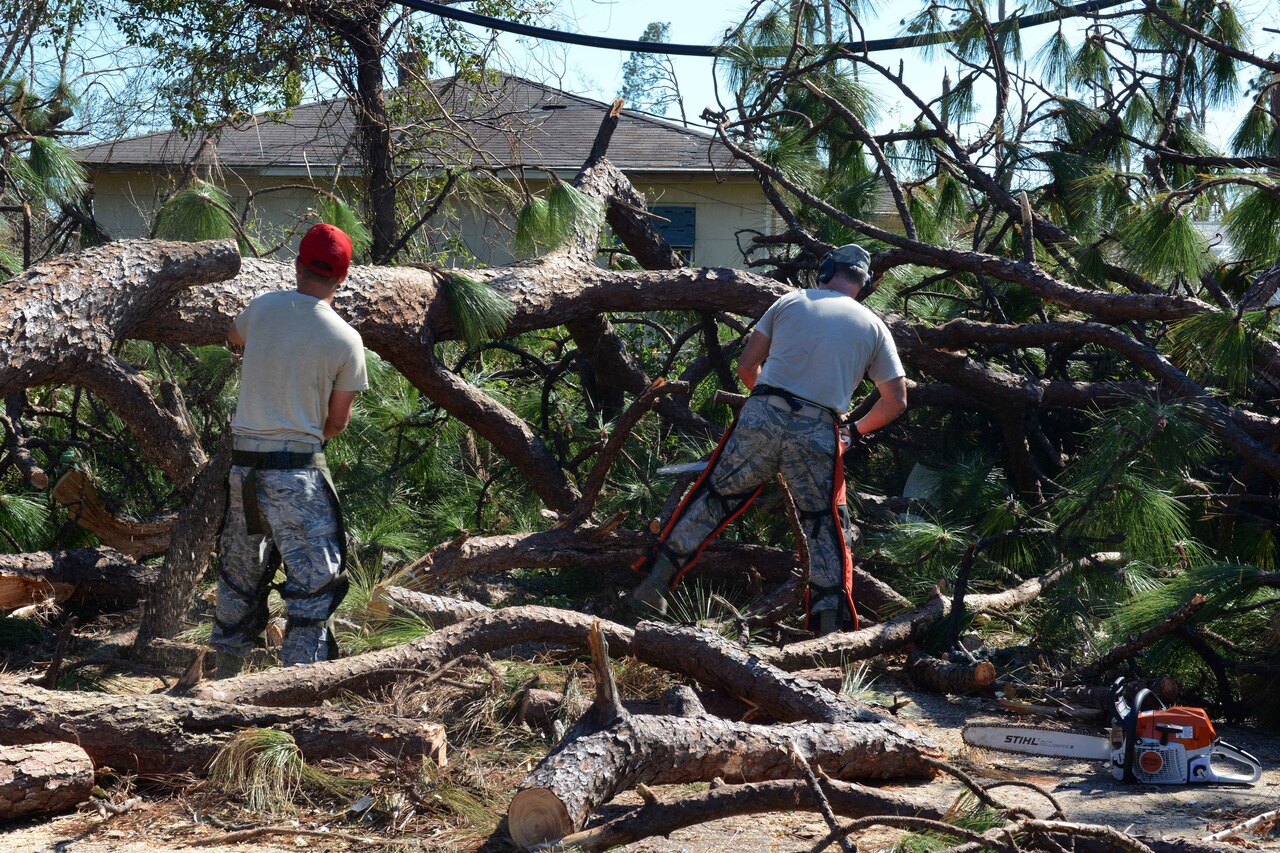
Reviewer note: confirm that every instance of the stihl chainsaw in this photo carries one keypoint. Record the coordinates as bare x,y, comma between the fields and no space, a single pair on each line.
1164,746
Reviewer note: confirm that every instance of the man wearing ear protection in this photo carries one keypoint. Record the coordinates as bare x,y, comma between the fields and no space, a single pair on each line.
802,363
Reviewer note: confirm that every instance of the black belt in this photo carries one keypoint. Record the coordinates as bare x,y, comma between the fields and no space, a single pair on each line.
796,402
276,460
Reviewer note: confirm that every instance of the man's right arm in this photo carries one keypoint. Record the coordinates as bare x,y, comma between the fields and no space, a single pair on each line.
753,356
892,402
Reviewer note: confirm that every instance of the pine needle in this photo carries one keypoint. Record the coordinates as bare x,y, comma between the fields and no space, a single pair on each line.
266,768
193,214
1215,347
55,167
479,312
1161,242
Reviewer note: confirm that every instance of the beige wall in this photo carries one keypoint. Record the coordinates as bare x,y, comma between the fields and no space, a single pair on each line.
125,204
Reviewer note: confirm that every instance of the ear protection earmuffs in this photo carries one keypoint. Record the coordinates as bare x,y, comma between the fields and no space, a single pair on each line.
827,269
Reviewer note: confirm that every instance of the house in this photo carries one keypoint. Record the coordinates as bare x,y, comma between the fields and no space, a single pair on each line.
514,128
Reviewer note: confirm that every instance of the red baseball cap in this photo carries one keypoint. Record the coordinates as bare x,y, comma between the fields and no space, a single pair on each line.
325,250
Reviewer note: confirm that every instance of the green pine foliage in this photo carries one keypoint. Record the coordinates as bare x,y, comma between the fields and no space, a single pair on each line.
1217,348
338,213
1161,242
52,171
546,223
478,310
198,211
1253,225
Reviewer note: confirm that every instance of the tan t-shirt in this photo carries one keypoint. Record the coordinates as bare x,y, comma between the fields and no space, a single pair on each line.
821,344
297,351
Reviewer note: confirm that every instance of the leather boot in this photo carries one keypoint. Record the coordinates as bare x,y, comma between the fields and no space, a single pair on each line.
649,597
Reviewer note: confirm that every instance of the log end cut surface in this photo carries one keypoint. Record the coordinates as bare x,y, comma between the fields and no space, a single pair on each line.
43,778
537,815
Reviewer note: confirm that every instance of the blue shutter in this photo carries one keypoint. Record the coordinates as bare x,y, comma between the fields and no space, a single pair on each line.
679,232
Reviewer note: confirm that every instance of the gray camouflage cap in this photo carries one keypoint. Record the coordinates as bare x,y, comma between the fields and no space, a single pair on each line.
853,255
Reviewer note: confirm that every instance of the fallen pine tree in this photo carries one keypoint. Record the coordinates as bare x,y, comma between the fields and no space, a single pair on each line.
156,735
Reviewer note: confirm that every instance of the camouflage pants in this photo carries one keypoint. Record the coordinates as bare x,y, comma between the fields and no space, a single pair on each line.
300,513
767,439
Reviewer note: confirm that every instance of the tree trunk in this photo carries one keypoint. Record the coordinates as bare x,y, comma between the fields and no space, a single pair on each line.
311,683
374,126
43,778
584,773
190,549
72,308
154,734
97,579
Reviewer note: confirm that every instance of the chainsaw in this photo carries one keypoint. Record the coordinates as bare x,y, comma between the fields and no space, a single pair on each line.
1162,746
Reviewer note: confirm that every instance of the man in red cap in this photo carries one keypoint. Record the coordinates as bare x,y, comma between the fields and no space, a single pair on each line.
303,366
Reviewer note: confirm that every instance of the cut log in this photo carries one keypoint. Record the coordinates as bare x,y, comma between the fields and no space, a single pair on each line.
43,779
717,663
87,507
99,579
610,750
439,611
154,735
314,682
942,676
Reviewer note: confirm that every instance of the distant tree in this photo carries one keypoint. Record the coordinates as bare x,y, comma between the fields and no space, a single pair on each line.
649,79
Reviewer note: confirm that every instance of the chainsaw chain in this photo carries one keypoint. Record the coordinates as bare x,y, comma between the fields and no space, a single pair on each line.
1025,727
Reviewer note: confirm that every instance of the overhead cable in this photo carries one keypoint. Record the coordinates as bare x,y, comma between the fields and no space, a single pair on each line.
867,46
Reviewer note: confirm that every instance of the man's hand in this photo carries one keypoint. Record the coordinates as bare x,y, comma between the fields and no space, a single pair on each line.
234,337
339,412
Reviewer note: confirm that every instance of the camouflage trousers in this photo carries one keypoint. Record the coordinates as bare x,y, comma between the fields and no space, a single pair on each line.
768,439
304,529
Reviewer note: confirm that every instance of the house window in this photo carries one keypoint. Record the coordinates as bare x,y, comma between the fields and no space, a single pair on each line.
678,227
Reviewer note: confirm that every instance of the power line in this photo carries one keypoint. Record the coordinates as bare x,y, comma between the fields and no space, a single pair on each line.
869,46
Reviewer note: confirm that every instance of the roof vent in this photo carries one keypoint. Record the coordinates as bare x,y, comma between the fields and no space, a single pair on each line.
554,107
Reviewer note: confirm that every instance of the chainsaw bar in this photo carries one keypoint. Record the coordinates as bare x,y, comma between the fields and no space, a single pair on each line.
1033,740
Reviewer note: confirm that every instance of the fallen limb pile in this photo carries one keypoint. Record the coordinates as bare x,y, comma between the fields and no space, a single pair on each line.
610,750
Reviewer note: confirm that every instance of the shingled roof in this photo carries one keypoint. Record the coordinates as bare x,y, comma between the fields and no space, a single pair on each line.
504,123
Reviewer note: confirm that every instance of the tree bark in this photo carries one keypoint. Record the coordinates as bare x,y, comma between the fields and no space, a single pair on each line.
153,735
189,552
73,308
165,436
312,683
438,610
586,548
42,779
97,579
941,676
717,663
836,649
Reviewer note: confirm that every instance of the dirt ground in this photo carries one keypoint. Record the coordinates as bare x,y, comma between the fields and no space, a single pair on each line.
1087,792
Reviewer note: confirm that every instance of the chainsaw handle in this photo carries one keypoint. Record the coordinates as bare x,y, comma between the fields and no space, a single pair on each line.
1237,755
